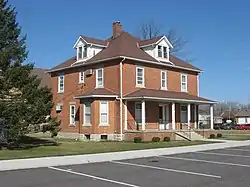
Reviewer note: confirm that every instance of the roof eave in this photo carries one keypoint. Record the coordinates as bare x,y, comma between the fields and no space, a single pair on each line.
95,96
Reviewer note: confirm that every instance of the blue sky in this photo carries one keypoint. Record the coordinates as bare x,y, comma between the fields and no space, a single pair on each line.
217,32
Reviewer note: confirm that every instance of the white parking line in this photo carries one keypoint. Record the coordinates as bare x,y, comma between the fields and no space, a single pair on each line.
168,169
205,161
94,177
247,150
222,154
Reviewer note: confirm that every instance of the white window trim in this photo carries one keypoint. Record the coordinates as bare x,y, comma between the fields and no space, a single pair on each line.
107,123
166,85
136,103
143,77
72,124
96,81
162,52
81,81
58,87
186,90
181,113
84,121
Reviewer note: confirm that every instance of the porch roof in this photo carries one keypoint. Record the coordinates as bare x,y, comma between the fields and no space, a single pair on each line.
151,94
99,92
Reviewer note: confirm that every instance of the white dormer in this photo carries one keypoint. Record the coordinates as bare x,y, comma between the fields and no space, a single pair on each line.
159,49
85,49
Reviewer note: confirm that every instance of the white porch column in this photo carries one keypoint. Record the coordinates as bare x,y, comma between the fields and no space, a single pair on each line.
195,116
125,116
143,115
211,116
173,116
189,115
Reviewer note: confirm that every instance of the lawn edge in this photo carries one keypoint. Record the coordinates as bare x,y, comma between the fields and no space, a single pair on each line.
29,163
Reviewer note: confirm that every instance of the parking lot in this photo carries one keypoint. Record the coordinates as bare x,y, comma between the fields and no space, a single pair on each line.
225,167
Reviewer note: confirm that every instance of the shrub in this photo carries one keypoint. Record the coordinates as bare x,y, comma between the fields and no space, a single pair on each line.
212,136
219,135
137,140
166,139
156,139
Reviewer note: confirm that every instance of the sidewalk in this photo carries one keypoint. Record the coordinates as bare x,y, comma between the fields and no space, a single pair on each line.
105,157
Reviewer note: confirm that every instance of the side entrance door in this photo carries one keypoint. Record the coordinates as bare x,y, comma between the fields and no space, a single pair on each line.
164,117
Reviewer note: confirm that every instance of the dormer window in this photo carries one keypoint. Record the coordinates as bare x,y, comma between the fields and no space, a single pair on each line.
163,52
82,52
159,51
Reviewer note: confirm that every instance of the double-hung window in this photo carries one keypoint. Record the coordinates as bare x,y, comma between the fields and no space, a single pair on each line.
99,78
139,76
138,112
85,51
61,84
184,83
163,52
81,77
87,113
159,51
184,114
163,80
104,113
80,52
72,114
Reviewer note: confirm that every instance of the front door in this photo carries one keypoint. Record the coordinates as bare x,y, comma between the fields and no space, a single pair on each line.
164,117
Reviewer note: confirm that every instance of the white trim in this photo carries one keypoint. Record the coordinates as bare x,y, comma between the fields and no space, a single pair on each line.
84,119
143,115
165,86
70,111
92,96
80,76
125,115
80,37
173,116
163,37
211,117
58,84
107,123
195,116
121,95
96,76
170,99
186,83
189,115
130,58
143,77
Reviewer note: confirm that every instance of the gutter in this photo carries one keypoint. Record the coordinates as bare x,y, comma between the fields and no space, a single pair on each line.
121,93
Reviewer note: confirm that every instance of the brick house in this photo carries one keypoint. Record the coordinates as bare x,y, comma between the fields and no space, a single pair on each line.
125,84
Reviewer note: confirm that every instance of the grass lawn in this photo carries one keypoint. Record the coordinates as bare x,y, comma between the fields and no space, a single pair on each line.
239,137
41,147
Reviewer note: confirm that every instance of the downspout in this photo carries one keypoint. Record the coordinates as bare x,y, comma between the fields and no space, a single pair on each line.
121,91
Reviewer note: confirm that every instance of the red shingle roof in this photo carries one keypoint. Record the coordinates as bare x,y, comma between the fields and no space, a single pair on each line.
143,92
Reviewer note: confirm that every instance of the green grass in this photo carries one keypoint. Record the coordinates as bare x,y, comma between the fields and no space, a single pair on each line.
34,147
236,137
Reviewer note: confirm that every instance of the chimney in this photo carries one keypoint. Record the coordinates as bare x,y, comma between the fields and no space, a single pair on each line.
117,29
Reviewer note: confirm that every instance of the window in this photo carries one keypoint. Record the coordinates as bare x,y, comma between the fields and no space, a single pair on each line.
103,112
99,78
60,84
72,111
159,51
138,112
85,54
183,83
80,50
139,76
87,113
184,114
163,80
165,52
81,77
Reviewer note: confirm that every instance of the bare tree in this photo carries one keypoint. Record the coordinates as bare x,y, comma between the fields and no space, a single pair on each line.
150,29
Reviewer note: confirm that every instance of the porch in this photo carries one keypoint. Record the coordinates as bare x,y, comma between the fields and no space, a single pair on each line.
146,113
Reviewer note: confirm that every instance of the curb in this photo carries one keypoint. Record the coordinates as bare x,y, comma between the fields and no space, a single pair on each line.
16,164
